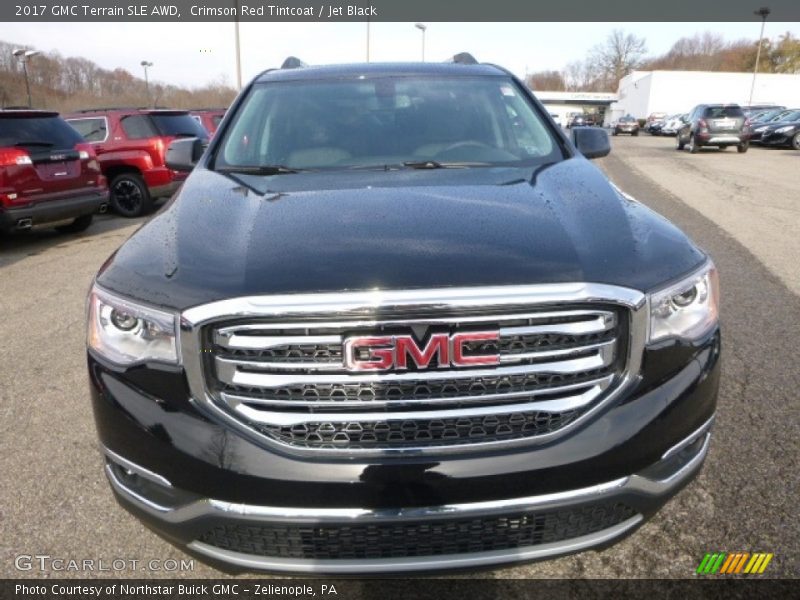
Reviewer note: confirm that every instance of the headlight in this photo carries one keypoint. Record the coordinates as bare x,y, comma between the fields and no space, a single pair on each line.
688,309
786,129
127,333
762,128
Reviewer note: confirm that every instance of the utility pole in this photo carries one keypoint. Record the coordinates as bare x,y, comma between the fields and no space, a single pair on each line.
762,12
367,39
146,64
423,29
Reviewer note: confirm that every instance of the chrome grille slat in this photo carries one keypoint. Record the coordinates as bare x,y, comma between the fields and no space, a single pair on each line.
284,418
228,371
277,367
235,399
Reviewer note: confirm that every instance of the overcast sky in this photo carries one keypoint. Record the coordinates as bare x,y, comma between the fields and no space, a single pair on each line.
193,54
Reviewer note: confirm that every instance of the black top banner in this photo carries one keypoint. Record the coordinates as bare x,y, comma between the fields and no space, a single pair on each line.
396,11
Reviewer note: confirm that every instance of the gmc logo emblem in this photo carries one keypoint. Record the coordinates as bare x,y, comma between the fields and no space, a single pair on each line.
381,353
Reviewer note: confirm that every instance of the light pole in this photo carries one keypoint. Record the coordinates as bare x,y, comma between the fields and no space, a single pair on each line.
762,12
23,56
422,28
238,49
146,64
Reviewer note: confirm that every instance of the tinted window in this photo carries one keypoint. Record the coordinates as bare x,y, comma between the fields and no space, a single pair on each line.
92,130
720,112
387,121
54,131
138,127
179,125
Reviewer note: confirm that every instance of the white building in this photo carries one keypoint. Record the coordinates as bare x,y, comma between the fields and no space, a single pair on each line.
645,92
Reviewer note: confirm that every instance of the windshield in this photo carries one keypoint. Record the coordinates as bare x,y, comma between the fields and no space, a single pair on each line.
179,125
387,121
37,131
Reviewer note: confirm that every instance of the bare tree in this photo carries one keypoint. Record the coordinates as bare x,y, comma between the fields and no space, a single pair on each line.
620,54
552,81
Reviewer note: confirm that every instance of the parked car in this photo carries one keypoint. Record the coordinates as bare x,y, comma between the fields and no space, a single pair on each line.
757,129
655,119
130,144
751,110
209,118
48,173
719,125
673,124
349,347
784,134
578,121
627,125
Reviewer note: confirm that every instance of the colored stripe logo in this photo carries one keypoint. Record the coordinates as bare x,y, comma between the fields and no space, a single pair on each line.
725,563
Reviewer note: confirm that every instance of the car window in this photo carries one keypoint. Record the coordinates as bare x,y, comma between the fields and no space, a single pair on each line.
138,127
387,120
721,112
178,124
19,129
92,130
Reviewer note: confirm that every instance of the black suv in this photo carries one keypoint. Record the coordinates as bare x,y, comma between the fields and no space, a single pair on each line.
395,320
719,125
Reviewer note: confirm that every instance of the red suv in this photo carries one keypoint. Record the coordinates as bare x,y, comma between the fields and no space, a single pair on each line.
210,118
130,145
48,173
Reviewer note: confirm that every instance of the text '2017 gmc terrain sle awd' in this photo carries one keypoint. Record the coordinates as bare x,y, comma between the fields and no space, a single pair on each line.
395,320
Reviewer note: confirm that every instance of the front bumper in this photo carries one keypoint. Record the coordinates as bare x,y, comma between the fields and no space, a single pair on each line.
777,139
52,211
640,494
240,506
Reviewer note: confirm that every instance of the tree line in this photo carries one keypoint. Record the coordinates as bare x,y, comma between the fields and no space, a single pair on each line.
70,83
623,52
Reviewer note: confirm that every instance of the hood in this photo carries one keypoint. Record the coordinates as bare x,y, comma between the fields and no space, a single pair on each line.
224,236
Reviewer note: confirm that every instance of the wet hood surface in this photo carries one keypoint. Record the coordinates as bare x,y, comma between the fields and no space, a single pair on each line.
225,236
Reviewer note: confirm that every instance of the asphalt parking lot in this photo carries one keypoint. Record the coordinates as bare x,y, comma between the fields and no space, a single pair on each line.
743,209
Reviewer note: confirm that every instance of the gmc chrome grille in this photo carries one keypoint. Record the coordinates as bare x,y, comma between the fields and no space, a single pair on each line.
282,373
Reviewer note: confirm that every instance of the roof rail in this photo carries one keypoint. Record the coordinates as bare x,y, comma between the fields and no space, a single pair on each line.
292,62
463,58
104,108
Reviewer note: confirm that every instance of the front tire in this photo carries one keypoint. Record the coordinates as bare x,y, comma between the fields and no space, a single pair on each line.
796,141
78,225
130,196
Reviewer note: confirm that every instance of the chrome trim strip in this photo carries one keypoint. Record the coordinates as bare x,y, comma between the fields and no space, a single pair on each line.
227,372
369,305
600,324
478,399
521,356
430,299
358,323
265,342
421,563
655,487
689,440
131,466
281,419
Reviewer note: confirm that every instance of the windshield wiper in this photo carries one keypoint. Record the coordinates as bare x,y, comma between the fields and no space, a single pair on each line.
434,164
259,169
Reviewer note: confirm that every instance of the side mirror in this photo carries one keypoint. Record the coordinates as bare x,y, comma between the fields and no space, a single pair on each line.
183,154
592,142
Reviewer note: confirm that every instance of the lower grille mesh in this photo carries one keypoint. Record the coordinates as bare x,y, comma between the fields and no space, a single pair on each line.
397,433
420,538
